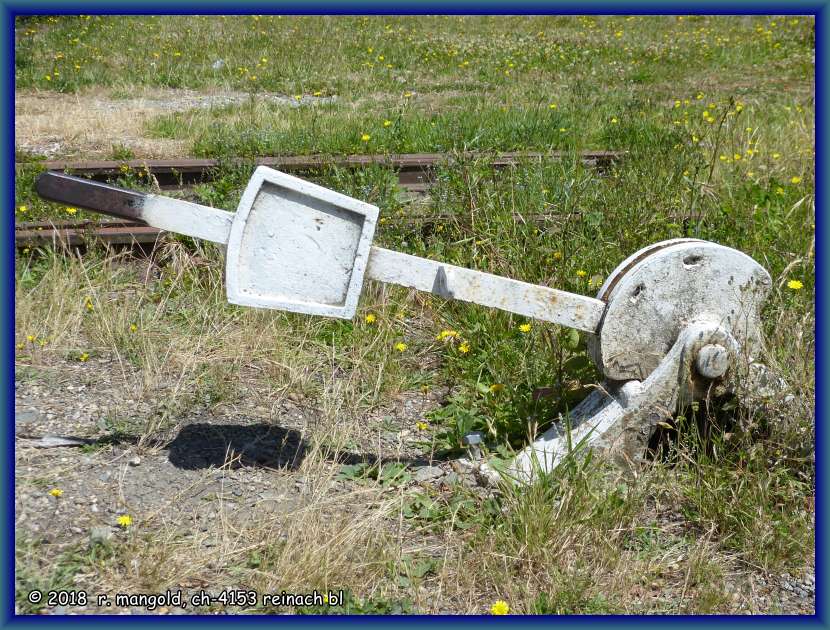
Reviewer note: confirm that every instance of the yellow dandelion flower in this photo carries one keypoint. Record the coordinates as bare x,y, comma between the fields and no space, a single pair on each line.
84,357
495,388
552,106
421,426
614,120
400,346
775,156
407,94
500,608
30,338
370,318
125,520
133,327
795,285
22,209
56,492
318,93
464,348
48,78
447,334
779,191
557,255
387,123
525,328
365,137
70,210
581,273
795,180
737,156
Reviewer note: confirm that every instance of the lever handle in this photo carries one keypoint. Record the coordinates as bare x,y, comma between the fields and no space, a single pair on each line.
166,213
90,195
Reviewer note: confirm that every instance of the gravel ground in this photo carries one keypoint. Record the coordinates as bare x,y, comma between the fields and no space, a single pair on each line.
235,463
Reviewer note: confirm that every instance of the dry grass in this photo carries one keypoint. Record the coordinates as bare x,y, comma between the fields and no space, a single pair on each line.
89,124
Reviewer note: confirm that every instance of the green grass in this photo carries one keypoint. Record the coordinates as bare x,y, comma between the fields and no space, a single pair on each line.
581,540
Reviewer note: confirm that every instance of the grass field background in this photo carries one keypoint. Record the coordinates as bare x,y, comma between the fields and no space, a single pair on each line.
716,119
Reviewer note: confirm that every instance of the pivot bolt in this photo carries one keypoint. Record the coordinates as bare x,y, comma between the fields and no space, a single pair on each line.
712,361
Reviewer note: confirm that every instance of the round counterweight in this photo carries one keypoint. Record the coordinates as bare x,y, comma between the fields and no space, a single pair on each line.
662,288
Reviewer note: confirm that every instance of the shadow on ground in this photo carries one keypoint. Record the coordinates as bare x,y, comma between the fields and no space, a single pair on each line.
204,445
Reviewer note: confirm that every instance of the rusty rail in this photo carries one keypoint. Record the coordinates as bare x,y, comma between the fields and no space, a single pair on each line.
83,233
414,170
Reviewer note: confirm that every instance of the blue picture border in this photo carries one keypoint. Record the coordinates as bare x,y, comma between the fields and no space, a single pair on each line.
8,11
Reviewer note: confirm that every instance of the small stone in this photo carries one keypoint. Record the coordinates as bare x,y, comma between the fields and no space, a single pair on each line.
451,479
428,472
100,534
135,461
28,415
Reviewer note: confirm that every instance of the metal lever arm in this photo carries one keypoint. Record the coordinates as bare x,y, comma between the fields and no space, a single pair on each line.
175,215
468,285
165,213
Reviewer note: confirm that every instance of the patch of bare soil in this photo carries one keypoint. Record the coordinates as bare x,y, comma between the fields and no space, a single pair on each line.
221,476
90,123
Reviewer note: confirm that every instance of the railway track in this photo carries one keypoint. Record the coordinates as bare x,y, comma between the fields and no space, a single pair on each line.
415,172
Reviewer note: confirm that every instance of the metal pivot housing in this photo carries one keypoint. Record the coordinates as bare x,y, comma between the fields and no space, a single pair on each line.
673,321
682,322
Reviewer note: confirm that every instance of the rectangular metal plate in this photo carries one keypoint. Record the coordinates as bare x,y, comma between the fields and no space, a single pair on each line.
297,246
